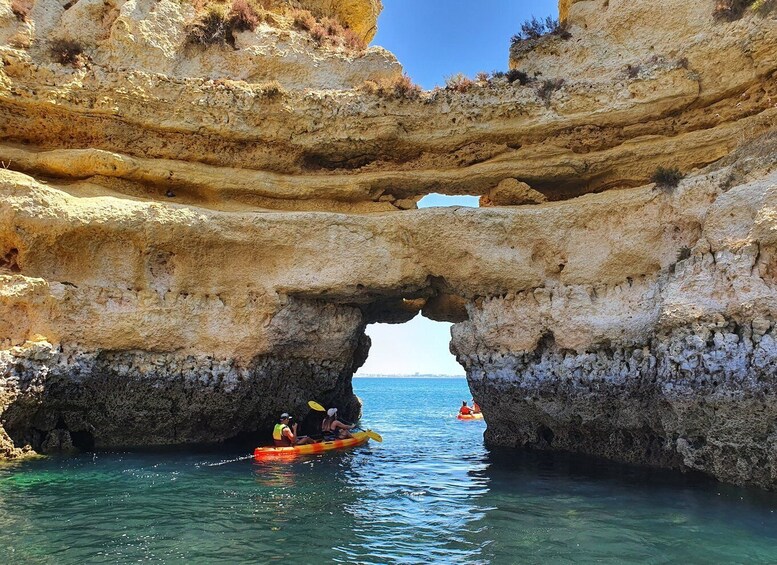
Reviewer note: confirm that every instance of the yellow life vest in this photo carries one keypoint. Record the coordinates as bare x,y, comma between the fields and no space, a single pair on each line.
277,432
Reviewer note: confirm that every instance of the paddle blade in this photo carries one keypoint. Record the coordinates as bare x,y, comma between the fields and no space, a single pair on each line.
316,406
373,435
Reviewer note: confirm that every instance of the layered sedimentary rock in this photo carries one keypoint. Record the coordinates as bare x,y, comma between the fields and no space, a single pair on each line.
194,237
671,366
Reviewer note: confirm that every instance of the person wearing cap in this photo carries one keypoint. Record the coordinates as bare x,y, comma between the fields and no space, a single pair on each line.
332,428
286,436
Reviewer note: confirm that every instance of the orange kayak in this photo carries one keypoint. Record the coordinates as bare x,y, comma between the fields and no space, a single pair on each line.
359,438
478,416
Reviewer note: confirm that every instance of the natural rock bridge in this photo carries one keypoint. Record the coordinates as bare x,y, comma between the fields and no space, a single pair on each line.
186,250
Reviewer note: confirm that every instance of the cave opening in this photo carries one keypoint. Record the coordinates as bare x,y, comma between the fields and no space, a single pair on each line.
419,347
410,374
435,200
410,331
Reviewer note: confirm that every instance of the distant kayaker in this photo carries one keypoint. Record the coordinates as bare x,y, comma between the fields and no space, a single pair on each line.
465,410
475,407
332,428
286,436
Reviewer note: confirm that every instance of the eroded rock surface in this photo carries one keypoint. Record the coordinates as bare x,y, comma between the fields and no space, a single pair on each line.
188,248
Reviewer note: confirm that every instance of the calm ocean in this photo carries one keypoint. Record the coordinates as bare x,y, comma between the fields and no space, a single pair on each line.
430,493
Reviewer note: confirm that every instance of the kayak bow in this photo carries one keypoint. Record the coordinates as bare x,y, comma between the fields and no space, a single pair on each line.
359,438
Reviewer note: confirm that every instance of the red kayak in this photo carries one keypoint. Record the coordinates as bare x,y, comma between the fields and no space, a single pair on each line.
359,438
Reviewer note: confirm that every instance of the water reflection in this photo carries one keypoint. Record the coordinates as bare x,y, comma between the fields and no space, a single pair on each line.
277,475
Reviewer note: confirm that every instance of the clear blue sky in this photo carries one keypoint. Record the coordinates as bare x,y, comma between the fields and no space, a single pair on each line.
435,39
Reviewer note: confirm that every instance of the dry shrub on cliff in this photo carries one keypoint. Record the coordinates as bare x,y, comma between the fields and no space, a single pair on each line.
328,31
68,52
520,77
399,88
353,41
536,28
459,83
731,10
218,23
213,27
21,9
318,33
512,76
332,27
303,20
244,16
547,88
666,178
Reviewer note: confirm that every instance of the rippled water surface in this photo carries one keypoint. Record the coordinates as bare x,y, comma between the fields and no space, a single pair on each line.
430,493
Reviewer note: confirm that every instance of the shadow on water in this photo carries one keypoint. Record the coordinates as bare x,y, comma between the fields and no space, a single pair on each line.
550,507
518,466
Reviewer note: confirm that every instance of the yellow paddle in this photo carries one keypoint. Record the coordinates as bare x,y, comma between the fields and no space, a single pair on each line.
370,434
316,406
373,435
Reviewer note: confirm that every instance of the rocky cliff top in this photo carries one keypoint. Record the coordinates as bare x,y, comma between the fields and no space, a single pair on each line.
299,123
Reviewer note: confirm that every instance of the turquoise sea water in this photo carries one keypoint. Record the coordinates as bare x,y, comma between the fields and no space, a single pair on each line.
431,492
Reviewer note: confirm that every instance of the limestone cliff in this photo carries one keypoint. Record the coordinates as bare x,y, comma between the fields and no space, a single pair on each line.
193,236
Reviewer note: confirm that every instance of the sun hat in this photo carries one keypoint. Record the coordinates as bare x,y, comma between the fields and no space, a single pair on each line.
331,412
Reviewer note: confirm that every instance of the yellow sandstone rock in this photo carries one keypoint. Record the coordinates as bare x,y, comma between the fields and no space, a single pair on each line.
359,15
183,224
511,192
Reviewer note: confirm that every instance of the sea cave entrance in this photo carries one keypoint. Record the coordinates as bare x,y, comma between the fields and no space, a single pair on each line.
420,347
414,338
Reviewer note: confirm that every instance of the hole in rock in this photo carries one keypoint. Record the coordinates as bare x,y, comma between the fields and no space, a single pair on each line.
441,200
474,39
420,347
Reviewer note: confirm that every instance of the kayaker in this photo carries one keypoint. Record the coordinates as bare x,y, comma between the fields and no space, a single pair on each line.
475,407
465,410
284,435
332,428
